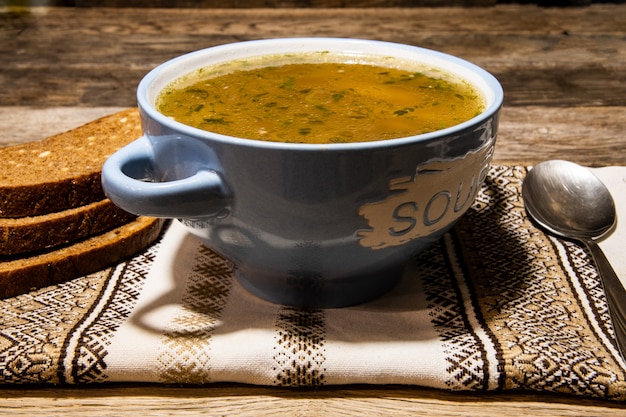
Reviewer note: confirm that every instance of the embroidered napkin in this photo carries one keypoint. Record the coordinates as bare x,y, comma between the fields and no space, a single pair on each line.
496,304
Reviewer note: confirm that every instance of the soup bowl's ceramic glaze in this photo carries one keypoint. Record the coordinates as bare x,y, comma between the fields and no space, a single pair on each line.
307,225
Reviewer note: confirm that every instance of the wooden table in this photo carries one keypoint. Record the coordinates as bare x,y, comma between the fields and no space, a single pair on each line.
564,75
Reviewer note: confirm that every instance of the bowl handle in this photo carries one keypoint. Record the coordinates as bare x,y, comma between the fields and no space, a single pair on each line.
126,182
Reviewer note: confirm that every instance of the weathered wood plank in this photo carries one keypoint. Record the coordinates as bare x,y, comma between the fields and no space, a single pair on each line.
285,3
606,19
587,135
577,54
24,124
304,3
227,399
591,136
294,3
196,4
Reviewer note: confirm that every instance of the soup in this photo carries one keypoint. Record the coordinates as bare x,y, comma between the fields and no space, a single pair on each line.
300,99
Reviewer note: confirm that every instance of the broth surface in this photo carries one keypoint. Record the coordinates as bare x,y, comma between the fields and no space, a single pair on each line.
319,102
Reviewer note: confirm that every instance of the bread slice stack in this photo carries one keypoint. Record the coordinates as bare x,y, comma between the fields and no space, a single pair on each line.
55,222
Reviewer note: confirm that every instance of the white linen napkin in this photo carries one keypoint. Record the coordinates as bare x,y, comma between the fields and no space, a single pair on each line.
496,304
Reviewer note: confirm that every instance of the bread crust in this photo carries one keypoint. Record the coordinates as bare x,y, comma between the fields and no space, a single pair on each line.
63,171
29,234
20,275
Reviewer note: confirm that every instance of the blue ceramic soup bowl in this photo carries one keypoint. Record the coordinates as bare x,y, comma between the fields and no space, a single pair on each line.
306,225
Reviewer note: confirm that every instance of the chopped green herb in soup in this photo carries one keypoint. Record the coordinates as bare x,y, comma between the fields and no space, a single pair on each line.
325,102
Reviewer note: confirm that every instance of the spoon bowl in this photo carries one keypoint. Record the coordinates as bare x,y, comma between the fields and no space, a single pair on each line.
570,201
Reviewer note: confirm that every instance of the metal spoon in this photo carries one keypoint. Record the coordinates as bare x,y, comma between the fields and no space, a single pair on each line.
568,200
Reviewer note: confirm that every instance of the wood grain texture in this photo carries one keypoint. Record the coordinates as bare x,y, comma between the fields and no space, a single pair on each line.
554,57
563,71
229,400
587,135
296,3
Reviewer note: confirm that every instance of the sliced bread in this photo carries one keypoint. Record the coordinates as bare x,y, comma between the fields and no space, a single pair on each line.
20,275
28,234
62,171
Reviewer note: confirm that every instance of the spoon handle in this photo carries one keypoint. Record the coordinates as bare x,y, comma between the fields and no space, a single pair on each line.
615,295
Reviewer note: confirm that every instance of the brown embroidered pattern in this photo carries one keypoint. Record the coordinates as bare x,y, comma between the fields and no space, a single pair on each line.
60,334
92,336
34,326
463,350
299,352
585,272
593,302
184,354
526,299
